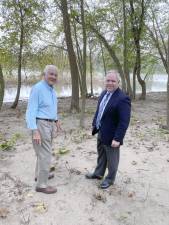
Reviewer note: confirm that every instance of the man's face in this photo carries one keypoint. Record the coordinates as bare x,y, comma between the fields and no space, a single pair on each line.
111,82
51,77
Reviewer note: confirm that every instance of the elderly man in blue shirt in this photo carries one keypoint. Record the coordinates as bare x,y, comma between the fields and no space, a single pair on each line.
42,120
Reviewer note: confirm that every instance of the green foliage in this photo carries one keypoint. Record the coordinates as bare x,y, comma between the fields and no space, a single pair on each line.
8,61
21,16
6,145
74,13
63,151
106,16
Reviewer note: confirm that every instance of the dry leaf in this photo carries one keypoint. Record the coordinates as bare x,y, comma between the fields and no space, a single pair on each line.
55,152
100,197
131,194
29,195
40,207
3,212
52,168
134,162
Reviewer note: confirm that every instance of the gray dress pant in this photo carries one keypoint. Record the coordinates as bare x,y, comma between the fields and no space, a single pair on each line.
44,152
107,157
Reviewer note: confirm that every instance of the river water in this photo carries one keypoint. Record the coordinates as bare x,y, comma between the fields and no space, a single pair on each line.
155,83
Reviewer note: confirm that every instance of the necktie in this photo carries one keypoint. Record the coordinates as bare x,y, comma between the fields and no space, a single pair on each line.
101,108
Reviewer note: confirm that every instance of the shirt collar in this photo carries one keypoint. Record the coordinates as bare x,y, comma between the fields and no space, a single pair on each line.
112,92
47,85
108,92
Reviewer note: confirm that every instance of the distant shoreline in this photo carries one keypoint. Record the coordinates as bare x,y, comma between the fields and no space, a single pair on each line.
149,96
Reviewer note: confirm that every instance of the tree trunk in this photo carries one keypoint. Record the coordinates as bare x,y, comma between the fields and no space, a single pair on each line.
72,57
138,63
168,103
79,59
125,52
137,27
134,81
2,87
91,70
78,56
82,115
15,103
112,54
104,63
168,87
164,55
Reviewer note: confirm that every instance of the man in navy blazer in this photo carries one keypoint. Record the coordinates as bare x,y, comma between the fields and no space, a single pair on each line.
111,121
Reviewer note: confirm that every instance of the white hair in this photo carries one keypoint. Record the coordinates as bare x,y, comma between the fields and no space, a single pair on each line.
50,67
115,73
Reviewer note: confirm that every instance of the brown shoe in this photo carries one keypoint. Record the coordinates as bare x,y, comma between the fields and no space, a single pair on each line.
47,190
51,176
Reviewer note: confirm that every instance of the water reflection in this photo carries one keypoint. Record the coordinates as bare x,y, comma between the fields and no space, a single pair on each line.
64,91
156,83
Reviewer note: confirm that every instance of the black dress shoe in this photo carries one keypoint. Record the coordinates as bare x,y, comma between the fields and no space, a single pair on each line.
105,184
93,176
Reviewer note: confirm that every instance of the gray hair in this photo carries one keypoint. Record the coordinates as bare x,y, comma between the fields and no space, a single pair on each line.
48,68
115,73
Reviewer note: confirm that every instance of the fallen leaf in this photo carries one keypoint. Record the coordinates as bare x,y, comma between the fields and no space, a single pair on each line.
77,172
55,152
29,195
40,207
100,197
63,151
123,216
3,212
134,162
131,194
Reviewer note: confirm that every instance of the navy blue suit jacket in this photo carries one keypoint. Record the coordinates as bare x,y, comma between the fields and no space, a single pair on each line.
115,119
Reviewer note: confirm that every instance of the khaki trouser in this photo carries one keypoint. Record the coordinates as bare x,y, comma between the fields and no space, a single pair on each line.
44,152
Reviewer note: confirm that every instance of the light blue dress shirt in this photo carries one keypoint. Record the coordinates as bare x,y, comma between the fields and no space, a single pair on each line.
42,104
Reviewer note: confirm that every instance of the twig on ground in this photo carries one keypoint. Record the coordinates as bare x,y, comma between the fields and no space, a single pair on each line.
25,221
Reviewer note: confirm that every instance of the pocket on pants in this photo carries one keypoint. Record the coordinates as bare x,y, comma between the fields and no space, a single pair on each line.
45,130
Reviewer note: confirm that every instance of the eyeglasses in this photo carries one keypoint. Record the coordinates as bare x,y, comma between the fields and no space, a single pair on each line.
53,74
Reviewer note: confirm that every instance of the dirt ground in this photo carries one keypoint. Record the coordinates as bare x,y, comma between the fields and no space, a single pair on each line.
140,195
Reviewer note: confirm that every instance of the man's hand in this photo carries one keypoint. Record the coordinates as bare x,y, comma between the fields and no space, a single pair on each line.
115,144
37,137
58,126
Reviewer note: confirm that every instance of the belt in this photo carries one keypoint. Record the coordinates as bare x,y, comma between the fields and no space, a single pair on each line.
49,120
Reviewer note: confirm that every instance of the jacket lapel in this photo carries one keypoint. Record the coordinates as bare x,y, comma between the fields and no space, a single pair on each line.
98,105
110,101
101,97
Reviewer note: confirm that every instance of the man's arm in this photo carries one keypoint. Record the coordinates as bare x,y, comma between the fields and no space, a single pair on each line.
124,111
32,109
31,114
58,126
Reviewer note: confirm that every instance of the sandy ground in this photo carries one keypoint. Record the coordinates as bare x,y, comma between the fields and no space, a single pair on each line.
140,195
